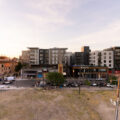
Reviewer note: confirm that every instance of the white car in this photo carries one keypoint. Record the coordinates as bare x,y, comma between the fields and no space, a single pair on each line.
94,84
7,82
4,86
108,85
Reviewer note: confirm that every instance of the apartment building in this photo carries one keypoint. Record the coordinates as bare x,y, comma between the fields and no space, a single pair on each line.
68,58
81,58
34,56
85,49
102,58
43,56
24,58
57,56
78,58
116,51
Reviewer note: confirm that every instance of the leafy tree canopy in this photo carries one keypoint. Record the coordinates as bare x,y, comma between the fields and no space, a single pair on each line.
55,78
18,67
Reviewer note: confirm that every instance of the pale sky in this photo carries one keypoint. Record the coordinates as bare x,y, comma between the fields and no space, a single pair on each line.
58,23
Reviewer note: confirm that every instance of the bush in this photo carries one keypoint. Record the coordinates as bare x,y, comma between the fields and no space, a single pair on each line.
55,79
113,79
87,82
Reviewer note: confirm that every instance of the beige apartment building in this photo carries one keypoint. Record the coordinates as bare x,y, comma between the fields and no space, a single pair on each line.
24,58
57,56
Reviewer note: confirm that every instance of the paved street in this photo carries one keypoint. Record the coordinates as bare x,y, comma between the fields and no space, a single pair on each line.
24,83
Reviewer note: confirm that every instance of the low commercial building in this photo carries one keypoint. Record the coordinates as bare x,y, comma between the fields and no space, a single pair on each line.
90,73
37,72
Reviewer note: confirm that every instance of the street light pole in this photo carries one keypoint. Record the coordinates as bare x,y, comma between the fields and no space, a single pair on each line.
117,102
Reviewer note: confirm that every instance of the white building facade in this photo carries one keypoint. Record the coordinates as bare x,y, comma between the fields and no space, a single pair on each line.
34,56
102,58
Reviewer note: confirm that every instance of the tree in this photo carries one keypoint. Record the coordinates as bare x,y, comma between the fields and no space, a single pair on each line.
55,78
18,67
112,79
87,82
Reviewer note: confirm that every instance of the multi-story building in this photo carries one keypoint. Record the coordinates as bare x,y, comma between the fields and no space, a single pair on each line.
7,65
85,49
78,58
102,58
94,58
34,56
68,58
24,58
43,56
81,58
57,56
116,51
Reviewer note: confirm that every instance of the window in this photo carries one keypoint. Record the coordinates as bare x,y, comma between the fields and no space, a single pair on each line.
104,57
104,61
104,53
109,61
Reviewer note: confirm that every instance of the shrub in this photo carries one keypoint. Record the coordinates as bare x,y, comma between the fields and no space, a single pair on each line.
87,82
55,78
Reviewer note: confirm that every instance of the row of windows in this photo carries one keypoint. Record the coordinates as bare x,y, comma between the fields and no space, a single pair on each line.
105,65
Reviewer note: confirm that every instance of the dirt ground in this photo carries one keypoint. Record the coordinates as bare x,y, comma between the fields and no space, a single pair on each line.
60,104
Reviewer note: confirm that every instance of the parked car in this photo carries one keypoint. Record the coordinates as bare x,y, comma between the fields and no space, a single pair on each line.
101,84
109,85
65,85
74,85
7,82
94,84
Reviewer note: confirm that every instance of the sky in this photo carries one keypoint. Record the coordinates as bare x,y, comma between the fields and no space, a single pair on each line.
58,23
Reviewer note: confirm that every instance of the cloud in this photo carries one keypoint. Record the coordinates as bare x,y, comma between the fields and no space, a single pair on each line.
50,12
109,36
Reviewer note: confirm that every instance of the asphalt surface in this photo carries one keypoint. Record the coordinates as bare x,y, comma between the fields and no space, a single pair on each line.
24,83
31,83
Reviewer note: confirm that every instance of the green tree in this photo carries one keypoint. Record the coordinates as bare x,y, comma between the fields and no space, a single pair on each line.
55,78
87,82
18,67
112,79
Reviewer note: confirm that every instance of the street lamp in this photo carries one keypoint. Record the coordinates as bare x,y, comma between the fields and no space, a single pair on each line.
117,102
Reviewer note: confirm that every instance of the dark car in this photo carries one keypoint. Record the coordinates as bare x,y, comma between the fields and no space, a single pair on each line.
101,84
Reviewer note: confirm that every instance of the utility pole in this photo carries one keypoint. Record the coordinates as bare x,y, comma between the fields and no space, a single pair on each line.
79,81
117,102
